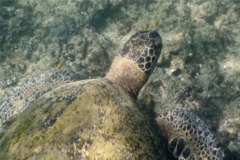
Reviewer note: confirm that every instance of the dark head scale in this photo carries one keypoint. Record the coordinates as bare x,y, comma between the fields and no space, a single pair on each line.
132,67
144,48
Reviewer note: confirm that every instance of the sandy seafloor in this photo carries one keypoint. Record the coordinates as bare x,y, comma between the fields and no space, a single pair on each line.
199,68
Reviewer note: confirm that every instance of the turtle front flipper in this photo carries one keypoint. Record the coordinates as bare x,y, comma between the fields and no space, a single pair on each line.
188,137
31,89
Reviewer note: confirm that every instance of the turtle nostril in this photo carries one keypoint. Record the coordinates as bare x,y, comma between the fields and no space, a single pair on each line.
151,42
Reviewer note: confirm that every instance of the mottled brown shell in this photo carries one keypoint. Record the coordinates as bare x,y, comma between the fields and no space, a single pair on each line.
91,119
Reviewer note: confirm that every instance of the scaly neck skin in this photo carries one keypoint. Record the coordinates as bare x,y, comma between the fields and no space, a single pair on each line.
126,74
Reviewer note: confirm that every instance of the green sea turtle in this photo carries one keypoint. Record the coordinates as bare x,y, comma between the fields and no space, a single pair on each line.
99,118
89,119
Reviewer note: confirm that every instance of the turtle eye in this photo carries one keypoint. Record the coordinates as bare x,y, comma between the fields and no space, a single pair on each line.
151,42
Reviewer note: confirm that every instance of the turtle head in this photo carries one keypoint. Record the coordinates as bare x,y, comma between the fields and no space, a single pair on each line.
132,67
144,48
